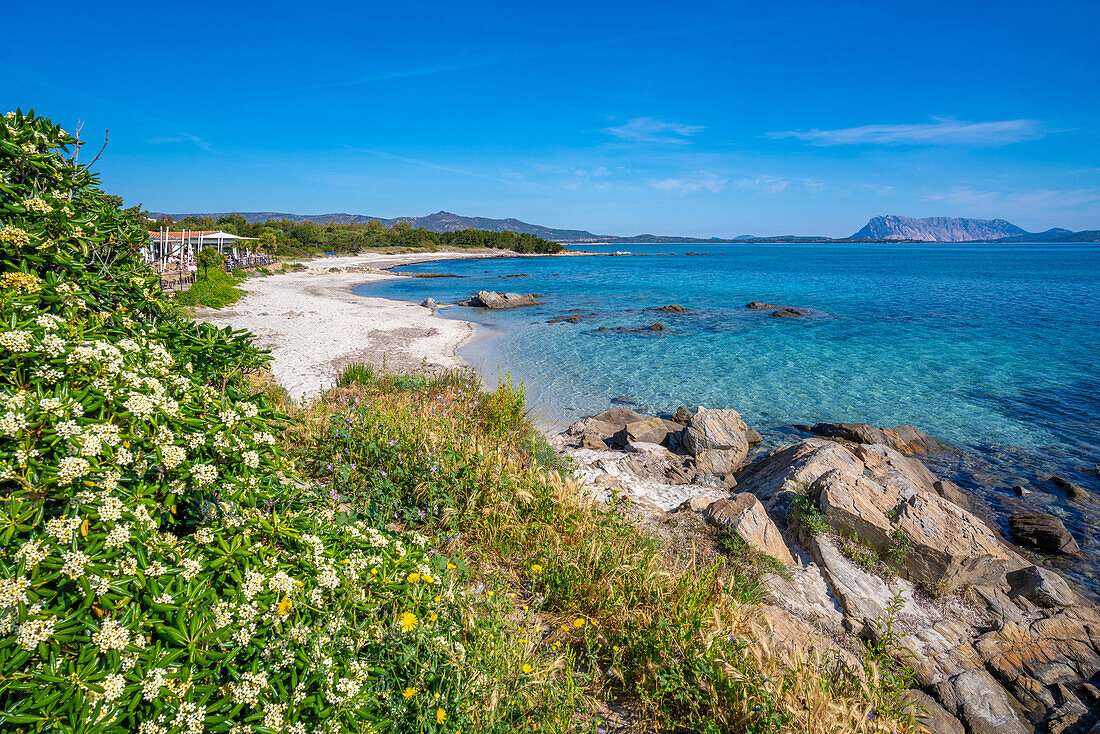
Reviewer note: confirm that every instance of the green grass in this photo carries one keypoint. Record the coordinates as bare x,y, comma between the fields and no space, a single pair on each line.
614,611
215,289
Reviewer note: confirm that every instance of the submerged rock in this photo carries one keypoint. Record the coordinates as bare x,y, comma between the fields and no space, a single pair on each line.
1073,490
760,305
671,308
1042,531
790,313
655,327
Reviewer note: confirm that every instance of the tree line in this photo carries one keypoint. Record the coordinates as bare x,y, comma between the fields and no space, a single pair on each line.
309,238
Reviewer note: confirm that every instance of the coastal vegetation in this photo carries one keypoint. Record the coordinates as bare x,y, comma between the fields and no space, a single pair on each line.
310,238
184,550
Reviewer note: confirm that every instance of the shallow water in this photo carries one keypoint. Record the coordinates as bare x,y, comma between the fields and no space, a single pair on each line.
990,348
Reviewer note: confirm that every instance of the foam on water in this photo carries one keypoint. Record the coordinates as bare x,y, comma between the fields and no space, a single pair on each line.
991,348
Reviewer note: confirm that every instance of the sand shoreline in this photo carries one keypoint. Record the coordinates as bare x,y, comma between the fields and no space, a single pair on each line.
313,324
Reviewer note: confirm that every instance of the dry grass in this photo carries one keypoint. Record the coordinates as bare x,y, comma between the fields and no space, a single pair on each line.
661,631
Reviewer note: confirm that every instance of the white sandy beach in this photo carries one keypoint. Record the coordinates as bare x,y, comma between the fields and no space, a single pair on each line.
314,325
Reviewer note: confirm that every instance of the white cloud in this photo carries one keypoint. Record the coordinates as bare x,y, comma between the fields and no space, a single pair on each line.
182,138
1039,200
767,184
704,182
652,130
941,131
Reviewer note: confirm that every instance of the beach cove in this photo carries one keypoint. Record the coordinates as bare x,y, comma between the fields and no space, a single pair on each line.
710,466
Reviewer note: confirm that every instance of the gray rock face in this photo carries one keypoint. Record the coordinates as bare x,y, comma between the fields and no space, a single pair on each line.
1040,586
936,229
982,704
429,303
746,516
494,301
936,720
1042,531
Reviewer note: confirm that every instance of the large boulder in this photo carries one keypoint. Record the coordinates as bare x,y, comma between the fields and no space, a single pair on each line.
1042,531
937,541
746,516
1041,587
716,429
646,430
785,473
495,301
891,503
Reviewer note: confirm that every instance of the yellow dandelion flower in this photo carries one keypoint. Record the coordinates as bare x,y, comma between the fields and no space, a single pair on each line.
427,579
437,598
615,648
536,568
527,668
440,716
285,605
489,593
413,577
433,617
579,622
408,621
409,693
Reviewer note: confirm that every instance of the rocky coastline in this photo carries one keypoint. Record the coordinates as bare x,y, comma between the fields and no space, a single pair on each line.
996,643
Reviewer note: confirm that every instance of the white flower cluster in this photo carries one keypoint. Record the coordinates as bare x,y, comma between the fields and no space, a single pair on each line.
111,635
16,341
14,591
34,631
71,469
75,561
204,473
62,528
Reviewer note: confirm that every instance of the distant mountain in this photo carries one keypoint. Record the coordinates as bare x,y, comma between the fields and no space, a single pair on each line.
879,229
937,229
441,221
1056,235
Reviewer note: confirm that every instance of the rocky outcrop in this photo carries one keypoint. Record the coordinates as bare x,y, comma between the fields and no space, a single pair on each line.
1003,646
495,301
671,308
1042,531
906,439
760,305
745,516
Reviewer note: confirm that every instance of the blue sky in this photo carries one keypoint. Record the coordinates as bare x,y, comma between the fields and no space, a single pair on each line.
691,118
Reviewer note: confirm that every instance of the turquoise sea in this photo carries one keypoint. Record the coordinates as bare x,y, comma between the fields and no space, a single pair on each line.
992,349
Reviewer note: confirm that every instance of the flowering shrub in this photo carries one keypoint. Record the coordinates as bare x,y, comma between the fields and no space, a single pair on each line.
155,575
